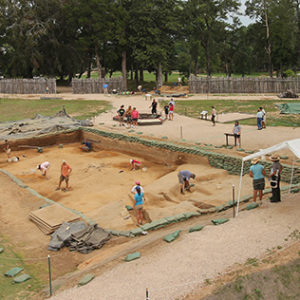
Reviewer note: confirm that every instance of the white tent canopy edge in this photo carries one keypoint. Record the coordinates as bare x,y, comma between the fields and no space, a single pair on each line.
293,145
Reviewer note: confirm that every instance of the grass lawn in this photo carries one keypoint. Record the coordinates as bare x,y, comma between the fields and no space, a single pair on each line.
18,109
194,108
26,290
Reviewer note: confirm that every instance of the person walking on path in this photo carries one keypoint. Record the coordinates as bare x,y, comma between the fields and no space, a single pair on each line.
135,117
263,122
184,180
121,112
274,176
213,115
128,116
171,111
65,172
44,167
259,118
257,172
7,149
138,205
237,132
154,107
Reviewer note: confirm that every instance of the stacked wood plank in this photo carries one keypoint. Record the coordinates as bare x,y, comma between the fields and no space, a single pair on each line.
49,218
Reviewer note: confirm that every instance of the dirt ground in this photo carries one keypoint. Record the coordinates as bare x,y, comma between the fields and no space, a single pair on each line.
101,182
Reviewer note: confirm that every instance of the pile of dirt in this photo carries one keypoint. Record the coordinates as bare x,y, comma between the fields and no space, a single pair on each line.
165,89
40,125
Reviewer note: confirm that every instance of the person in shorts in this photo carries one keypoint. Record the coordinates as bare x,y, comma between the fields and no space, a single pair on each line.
128,116
138,205
44,167
257,172
65,172
171,111
135,117
237,132
184,180
154,107
121,113
166,109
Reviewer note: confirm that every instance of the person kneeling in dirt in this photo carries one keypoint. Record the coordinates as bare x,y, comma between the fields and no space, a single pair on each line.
86,146
134,164
184,180
65,174
138,205
44,167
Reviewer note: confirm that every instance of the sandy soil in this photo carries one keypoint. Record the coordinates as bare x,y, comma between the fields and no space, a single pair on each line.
173,270
101,182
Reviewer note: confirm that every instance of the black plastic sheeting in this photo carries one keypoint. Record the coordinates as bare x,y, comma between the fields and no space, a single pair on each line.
78,237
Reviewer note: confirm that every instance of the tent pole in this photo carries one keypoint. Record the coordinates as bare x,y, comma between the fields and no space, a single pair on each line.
292,174
240,187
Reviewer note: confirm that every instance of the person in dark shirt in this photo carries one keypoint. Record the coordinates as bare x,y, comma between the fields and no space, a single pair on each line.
121,113
154,107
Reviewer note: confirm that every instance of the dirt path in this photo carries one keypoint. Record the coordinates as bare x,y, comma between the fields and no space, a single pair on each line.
172,270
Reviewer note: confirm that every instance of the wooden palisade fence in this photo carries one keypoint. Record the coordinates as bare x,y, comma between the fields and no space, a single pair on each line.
28,86
95,86
206,85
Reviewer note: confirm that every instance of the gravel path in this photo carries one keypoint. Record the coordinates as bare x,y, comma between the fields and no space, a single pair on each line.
171,271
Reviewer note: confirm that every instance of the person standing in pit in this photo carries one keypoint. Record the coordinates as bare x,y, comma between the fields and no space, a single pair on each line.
121,112
138,205
65,172
237,132
213,115
275,178
257,172
44,167
154,107
184,180
137,184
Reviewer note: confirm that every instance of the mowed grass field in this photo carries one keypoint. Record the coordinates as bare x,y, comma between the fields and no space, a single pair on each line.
193,108
19,109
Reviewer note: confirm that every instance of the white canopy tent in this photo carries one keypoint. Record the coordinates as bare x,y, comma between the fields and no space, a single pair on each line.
293,145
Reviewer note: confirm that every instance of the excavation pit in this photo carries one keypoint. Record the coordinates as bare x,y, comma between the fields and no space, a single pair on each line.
101,180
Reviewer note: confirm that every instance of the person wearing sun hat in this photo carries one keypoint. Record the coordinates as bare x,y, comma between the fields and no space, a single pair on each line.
275,178
257,172
137,184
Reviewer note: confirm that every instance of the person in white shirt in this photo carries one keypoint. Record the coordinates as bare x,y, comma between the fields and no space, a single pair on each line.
259,118
263,122
44,167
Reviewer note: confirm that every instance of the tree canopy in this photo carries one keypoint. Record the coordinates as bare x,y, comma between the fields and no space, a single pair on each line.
66,38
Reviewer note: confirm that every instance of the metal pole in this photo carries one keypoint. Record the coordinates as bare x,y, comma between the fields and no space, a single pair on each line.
50,282
240,187
233,200
181,133
292,175
147,295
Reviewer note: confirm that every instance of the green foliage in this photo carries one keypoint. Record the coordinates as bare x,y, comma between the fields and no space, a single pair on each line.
289,73
19,109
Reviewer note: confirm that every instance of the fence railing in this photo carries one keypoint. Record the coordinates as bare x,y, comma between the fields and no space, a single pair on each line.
201,85
28,86
96,86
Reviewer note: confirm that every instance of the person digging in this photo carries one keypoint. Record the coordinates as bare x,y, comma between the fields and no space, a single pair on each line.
65,174
184,180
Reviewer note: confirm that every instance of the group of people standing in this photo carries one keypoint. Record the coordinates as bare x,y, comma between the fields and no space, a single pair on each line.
258,173
261,118
130,116
169,110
